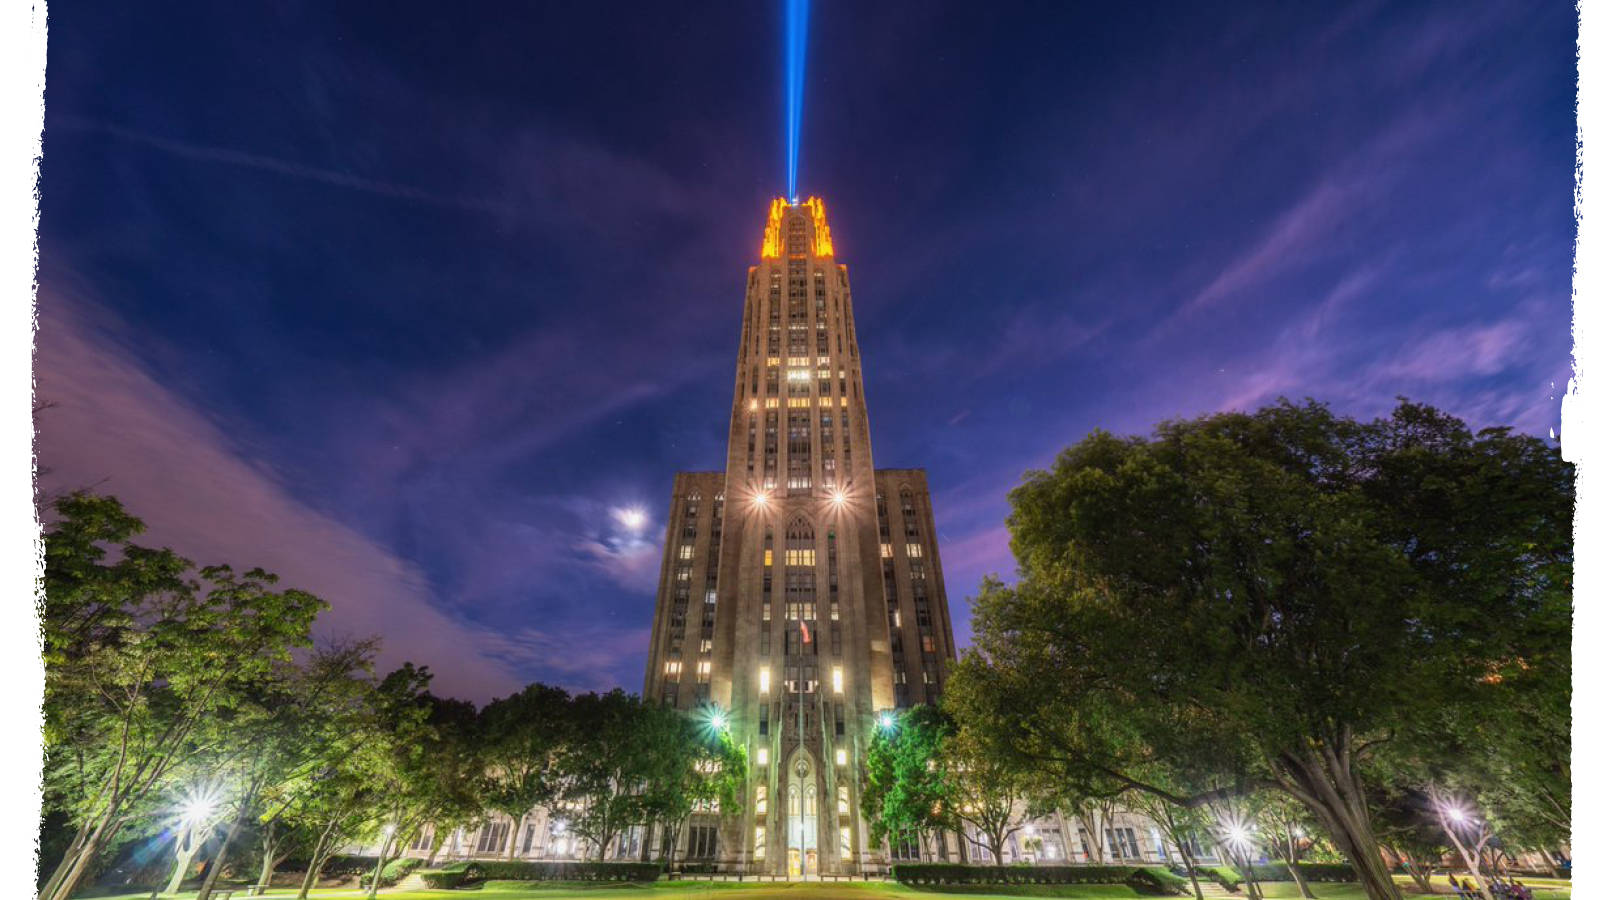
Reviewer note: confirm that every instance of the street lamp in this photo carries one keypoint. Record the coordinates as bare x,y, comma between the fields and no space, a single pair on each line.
1239,836
886,720
194,821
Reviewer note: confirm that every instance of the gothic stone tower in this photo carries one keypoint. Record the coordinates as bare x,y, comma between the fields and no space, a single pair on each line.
801,592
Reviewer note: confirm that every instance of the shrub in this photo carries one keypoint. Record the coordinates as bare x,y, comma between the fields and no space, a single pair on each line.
444,879
1145,878
1223,875
393,871
1278,870
1158,880
337,866
520,870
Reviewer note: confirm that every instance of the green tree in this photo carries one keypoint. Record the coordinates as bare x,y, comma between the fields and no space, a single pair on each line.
139,655
286,726
990,793
605,767
522,736
692,765
1316,588
907,793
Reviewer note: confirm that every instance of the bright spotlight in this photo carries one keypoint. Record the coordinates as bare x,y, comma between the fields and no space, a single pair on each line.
886,720
838,498
1456,813
719,720
197,809
761,498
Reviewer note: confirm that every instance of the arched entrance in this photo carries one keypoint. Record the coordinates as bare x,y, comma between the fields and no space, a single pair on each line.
800,812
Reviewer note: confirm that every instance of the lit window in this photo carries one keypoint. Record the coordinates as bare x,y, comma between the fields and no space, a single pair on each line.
772,403
887,550
800,402
844,401
839,756
686,551
914,551
761,800
773,360
838,680
765,680
799,375
761,756
702,670
674,667
822,360
824,401
767,560
800,361
799,557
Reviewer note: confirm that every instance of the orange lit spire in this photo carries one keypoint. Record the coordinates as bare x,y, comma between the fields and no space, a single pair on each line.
823,245
772,241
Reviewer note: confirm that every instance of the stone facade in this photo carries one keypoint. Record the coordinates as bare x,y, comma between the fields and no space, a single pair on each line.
801,592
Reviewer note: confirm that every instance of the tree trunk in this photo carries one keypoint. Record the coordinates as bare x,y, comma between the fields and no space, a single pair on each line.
213,870
269,855
511,839
1188,866
186,846
74,849
1323,780
1550,863
1290,859
70,871
319,855
383,857
1472,864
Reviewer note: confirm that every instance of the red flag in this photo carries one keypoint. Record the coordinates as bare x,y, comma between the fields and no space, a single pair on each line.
805,633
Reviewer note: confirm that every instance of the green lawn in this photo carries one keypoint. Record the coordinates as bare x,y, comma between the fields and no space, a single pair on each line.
696,890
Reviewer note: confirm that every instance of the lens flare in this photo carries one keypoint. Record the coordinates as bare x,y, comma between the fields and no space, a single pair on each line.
796,19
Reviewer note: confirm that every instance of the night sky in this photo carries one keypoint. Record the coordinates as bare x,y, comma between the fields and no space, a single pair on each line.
406,301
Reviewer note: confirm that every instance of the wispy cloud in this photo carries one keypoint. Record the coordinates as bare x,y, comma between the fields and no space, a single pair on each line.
111,425
288,168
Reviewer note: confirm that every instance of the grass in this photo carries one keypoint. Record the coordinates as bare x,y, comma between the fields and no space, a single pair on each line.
1544,889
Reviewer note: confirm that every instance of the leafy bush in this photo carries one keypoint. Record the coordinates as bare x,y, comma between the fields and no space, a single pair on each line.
519,870
444,879
1157,880
337,866
393,871
1146,878
1278,870
1223,875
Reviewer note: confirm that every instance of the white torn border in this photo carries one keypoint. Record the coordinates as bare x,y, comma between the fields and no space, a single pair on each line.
1578,435
22,79
22,64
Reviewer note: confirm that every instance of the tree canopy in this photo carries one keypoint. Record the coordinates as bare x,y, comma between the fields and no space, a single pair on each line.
1302,589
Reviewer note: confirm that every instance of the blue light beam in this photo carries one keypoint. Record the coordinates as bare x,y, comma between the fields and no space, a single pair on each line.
797,16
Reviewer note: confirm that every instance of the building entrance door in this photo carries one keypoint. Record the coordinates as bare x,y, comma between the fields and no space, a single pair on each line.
794,862
811,861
